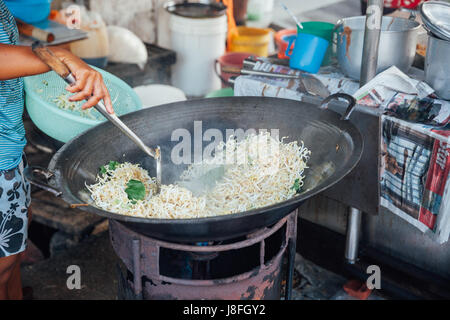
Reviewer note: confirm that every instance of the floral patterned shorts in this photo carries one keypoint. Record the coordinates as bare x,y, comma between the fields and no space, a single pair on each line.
14,202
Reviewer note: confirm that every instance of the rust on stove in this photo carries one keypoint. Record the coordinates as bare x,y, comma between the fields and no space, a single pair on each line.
141,256
250,294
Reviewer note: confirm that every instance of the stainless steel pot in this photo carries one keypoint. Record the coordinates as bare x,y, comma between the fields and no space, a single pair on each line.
398,40
437,66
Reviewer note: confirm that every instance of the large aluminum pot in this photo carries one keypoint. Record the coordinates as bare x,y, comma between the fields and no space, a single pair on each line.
437,66
398,40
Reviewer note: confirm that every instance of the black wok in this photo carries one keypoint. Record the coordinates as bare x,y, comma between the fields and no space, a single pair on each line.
336,147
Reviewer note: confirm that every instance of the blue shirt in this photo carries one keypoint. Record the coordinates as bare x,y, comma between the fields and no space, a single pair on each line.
12,131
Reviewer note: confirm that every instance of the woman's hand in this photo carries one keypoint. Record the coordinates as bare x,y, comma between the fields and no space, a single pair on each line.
22,62
89,85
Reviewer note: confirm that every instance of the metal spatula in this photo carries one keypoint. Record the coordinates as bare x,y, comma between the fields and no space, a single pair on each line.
47,56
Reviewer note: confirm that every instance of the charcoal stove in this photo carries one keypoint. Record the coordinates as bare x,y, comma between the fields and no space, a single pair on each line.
244,268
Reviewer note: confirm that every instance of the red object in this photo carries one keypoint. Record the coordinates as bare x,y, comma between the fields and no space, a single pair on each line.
281,43
436,181
233,60
357,289
410,4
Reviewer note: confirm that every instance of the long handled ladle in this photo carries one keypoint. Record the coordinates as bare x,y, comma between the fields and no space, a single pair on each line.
47,56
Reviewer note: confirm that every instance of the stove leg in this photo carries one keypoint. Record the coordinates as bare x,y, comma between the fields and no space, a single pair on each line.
290,271
291,250
353,233
137,279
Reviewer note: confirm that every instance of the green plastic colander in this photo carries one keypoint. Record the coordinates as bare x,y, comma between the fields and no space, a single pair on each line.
43,91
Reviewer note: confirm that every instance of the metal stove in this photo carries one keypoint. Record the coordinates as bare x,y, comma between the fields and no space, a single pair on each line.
243,268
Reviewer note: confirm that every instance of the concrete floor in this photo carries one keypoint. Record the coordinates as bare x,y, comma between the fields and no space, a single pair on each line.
97,262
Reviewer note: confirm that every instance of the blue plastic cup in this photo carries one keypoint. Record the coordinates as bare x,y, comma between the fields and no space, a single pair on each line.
308,52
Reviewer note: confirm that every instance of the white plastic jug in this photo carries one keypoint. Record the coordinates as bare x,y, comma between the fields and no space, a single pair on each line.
197,43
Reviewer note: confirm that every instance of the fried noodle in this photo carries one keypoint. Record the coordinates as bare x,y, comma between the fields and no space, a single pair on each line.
259,171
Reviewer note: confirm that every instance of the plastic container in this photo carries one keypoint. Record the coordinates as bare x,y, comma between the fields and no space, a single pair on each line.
324,30
163,35
63,125
198,42
282,39
30,11
308,52
251,40
157,94
240,11
225,92
233,60
256,9
286,41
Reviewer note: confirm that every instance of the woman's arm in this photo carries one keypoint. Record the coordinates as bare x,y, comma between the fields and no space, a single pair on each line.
20,61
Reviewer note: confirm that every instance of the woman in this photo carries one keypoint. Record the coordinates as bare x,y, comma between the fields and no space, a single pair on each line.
15,63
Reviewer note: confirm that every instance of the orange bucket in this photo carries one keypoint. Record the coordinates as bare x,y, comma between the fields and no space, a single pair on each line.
282,43
251,40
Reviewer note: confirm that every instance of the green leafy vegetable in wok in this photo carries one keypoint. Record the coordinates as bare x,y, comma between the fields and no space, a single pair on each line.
112,165
135,190
296,185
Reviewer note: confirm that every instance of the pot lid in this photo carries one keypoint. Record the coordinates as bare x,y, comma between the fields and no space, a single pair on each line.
436,18
197,10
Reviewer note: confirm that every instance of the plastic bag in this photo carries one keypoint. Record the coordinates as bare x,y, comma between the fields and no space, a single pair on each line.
126,47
